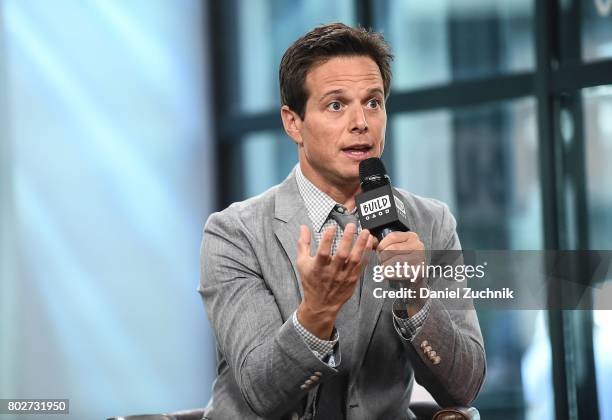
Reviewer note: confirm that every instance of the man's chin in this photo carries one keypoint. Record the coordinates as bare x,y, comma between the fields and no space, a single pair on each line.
350,175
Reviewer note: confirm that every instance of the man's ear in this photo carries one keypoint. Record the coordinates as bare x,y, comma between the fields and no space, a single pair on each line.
292,124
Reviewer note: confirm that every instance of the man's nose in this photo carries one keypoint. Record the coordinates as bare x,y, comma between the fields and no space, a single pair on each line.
359,124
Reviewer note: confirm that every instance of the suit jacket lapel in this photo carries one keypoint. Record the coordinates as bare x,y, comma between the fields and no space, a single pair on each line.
290,213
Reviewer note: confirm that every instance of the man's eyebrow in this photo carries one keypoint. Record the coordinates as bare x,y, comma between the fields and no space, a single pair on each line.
330,93
376,90
341,91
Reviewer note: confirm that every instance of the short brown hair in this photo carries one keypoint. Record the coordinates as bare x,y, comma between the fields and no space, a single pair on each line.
321,44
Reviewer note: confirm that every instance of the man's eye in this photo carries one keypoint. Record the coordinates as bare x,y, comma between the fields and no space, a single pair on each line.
373,103
334,106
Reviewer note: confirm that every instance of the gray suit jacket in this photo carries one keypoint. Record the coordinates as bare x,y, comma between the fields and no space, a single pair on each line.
250,287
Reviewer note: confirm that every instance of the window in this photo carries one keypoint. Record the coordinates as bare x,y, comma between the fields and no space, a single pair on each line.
440,41
498,102
597,103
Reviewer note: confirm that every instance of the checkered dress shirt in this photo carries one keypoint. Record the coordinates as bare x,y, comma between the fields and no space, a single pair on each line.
319,205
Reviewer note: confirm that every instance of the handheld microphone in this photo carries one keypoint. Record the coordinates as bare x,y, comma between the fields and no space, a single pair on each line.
380,208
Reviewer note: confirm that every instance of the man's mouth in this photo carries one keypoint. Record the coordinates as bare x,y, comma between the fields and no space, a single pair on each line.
358,151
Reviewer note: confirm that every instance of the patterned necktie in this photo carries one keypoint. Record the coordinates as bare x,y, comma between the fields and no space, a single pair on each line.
341,215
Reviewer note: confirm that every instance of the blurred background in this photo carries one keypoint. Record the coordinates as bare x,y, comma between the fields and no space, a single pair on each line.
124,124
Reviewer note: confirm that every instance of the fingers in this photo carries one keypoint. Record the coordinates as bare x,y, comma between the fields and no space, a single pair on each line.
389,255
344,247
324,249
373,241
303,247
361,245
348,255
370,246
395,238
405,247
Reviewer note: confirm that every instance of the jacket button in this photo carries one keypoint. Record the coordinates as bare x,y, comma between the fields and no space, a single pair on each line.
436,360
424,344
427,349
432,354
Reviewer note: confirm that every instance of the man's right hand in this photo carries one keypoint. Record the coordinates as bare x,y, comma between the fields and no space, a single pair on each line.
329,281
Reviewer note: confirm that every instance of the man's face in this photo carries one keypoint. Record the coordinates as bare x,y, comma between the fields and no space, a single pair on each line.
345,119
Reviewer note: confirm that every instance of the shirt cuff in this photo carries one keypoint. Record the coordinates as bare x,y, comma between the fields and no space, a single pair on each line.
322,349
409,327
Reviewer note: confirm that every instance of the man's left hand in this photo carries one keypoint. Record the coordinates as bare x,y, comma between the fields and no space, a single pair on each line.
405,248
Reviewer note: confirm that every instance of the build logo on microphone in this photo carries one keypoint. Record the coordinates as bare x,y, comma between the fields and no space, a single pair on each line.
376,205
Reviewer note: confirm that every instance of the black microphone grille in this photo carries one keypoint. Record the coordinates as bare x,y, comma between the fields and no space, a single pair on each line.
371,167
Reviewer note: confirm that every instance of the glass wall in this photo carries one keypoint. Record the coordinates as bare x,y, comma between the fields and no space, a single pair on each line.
483,97
440,41
483,162
596,29
597,103
264,29
267,159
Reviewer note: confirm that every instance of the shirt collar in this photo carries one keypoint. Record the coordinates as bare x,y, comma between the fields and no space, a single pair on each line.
318,204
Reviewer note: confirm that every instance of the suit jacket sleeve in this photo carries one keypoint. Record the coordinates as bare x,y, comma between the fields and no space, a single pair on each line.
453,333
266,354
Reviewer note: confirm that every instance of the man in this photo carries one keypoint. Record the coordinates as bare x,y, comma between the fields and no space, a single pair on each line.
287,275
